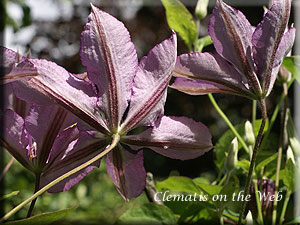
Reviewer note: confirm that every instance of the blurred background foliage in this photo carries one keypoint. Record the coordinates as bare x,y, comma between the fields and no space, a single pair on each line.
50,29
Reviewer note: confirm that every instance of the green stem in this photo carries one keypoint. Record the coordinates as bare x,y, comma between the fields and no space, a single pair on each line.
225,118
36,188
115,141
274,116
254,113
285,204
284,120
258,204
255,151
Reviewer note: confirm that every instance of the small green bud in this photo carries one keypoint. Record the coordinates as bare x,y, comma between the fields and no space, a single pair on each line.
249,219
249,134
231,160
201,9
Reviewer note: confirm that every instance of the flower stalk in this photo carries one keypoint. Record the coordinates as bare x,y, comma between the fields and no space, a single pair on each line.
253,159
36,189
115,141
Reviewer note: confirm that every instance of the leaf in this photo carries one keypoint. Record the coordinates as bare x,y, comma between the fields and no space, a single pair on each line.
294,221
14,193
292,64
180,184
289,175
244,165
210,189
181,20
44,218
224,142
147,214
202,42
293,138
266,162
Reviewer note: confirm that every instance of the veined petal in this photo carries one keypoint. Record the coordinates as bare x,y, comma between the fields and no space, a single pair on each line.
127,172
111,61
55,83
44,124
70,150
200,87
150,85
15,138
231,33
12,69
174,137
284,48
212,68
266,39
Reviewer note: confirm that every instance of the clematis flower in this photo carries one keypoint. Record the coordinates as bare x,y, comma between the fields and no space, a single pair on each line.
45,142
118,95
248,58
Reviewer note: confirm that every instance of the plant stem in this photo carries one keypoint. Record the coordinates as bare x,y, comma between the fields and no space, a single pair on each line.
285,204
255,151
115,141
6,168
225,118
274,115
254,113
258,204
284,120
36,188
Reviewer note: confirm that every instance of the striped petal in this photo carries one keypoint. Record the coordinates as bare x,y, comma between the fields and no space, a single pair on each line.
111,62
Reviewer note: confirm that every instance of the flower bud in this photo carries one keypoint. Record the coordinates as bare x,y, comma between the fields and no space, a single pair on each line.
249,219
231,160
249,134
284,75
290,155
201,9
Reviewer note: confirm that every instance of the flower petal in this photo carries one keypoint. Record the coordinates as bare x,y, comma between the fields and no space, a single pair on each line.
150,84
174,137
70,150
56,83
200,87
14,68
44,124
15,138
111,61
231,33
266,39
213,68
127,172
284,48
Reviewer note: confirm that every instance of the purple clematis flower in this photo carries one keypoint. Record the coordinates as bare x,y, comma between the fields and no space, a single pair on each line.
248,58
118,95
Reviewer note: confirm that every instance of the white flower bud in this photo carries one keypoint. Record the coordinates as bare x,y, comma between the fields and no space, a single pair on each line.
249,219
231,160
249,134
290,155
201,9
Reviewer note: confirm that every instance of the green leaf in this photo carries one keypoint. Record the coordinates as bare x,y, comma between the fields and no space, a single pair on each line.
293,137
180,184
289,175
14,193
210,189
202,42
294,221
266,162
292,64
244,165
201,180
148,214
181,20
44,218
